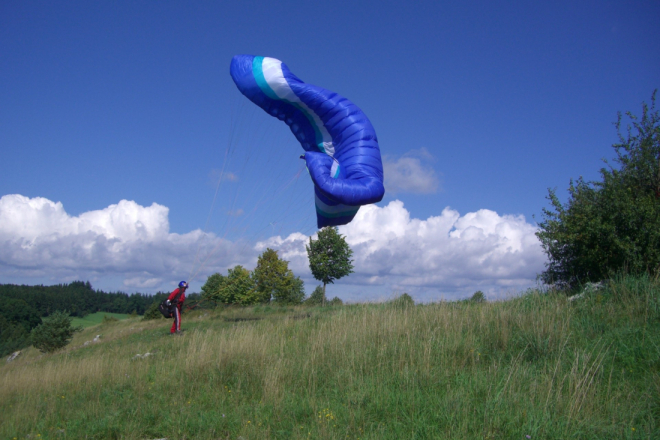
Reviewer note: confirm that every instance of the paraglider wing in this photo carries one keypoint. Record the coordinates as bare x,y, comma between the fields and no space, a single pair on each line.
341,147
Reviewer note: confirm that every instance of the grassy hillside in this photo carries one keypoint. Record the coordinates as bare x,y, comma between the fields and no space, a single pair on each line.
95,319
538,367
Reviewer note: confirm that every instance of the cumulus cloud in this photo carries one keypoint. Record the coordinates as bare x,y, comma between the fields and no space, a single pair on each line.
446,253
445,256
39,239
410,173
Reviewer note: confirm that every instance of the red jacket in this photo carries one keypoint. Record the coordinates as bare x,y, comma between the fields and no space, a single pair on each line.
181,299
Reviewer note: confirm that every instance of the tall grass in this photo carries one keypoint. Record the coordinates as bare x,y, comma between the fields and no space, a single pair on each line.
537,366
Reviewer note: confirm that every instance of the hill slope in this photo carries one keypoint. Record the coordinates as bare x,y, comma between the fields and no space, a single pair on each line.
538,366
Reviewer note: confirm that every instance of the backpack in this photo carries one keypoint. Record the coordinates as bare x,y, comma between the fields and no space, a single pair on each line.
166,310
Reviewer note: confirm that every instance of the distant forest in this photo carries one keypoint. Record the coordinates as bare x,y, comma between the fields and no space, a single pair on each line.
24,306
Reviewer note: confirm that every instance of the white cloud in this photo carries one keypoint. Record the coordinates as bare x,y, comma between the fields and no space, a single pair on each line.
446,253
38,239
410,173
444,256
142,283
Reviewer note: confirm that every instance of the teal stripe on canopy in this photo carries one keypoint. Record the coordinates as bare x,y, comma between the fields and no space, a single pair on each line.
258,73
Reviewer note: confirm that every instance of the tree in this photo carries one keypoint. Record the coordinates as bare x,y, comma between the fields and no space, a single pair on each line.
236,288
329,256
13,336
317,297
55,333
273,279
613,224
239,287
212,289
19,312
152,312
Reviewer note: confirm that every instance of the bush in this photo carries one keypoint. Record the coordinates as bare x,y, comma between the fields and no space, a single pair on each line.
13,336
402,301
336,301
55,333
610,225
316,298
478,297
152,312
108,319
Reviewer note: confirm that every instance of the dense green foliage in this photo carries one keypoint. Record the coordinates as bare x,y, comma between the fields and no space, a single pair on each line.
17,320
77,297
478,296
613,224
25,306
13,336
236,288
153,312
54,333
329,256
318,298
271,280
402,301
537,366
274,280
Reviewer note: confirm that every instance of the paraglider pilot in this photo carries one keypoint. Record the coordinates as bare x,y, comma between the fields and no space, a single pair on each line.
175,301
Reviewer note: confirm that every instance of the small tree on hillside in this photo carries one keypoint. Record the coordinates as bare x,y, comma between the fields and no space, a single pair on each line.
239,287
613,224
235,288
212,289
317,297
152,312
274,280
329,256
55,333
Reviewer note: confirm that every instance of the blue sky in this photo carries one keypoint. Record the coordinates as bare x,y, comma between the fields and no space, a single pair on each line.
482,106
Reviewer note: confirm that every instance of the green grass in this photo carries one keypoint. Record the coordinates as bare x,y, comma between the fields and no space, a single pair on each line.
537,366
95,319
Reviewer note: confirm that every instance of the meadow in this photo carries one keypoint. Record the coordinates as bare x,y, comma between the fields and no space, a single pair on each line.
96,318
533,367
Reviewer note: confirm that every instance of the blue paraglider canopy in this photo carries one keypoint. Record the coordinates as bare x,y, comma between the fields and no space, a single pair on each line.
341,147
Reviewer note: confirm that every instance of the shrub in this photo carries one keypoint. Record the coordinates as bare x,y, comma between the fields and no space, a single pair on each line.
152,312
478,297
108,319
613,224
316,298
55,333
403,301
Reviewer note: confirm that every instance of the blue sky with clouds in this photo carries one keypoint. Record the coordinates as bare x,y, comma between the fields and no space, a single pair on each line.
130,159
